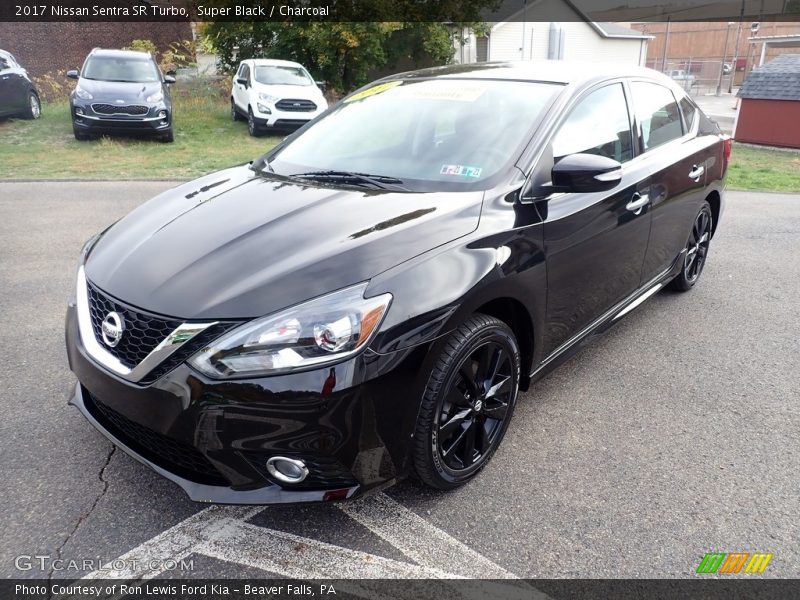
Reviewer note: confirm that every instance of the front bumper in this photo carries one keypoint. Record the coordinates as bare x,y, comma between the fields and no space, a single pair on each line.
157,119
213,438
285,120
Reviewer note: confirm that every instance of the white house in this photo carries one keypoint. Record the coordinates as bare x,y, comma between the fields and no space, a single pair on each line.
567,35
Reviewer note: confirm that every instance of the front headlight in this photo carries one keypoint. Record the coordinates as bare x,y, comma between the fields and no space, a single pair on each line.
87,247
320,331
83,94
157,97
267,98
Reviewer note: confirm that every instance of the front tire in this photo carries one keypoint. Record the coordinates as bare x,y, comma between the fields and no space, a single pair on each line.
34,108
252,126
467,404
168,137
696,253
79,135
235,116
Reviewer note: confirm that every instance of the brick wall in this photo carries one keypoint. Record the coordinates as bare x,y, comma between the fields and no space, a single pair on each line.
47,47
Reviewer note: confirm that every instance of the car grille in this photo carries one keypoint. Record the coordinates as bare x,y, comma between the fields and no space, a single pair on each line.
133,110
295,105
168,453
187,350
142,331
324,472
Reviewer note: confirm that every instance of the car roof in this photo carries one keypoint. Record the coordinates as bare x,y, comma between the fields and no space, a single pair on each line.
273,62
552,71
119,53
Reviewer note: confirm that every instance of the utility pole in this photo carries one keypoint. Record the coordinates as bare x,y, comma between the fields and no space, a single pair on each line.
736,49
664,56
724,58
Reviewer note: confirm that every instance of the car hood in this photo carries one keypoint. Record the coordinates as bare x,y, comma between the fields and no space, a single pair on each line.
238,245
116,90
303,92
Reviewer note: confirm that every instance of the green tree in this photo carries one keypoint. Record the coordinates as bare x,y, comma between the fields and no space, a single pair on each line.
343,54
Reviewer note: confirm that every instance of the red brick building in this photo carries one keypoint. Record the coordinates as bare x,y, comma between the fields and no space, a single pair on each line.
48,47
770,107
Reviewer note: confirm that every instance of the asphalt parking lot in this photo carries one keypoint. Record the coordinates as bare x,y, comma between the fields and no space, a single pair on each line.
673,435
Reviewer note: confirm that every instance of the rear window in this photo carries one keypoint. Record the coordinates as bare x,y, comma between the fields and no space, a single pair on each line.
657,113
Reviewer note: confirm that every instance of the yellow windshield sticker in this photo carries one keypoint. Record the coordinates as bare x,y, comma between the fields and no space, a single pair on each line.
377,89
457,91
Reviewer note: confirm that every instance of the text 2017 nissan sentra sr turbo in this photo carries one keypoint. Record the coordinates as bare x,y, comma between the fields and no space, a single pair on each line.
366,300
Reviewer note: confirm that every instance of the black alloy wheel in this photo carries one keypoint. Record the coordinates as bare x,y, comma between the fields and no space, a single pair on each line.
696,250
468,403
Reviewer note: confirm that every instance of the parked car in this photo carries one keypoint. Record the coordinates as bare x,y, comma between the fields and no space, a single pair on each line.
18,94
366,300
275,95
121,92
684,78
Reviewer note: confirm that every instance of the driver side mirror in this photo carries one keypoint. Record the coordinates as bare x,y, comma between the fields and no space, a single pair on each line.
585,173
169,79
73,74
241,81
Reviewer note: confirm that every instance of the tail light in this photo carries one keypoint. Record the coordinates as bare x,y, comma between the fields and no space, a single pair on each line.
727,146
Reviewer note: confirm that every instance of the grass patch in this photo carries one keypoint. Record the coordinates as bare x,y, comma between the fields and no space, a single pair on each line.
206,139
763,169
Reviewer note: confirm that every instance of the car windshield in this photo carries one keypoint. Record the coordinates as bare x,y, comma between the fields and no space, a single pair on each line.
433,134
116,68
281,75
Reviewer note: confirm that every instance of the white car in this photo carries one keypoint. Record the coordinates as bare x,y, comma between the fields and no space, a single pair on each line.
274,94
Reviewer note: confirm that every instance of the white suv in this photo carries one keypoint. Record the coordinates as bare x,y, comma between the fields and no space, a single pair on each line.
274,94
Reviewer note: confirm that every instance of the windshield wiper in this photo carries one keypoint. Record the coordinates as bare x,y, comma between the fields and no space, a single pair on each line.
382,182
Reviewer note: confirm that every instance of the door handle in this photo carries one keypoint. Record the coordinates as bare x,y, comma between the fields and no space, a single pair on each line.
697,172
637,202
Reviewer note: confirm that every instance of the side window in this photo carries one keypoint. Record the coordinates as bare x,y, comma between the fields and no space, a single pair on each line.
599,124
4,63
689,111
246,72
657,113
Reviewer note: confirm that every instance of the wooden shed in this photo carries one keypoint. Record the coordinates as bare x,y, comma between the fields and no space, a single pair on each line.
769,112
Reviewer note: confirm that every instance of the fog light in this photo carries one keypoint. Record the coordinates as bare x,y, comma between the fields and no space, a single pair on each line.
78,111
162,114
287,470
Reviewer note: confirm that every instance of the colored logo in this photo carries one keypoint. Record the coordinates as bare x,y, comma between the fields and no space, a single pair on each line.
734,562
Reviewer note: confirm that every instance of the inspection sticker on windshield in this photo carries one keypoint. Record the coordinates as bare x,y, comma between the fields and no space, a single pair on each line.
460,170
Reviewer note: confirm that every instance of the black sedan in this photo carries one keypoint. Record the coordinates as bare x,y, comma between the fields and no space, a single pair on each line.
121,92
365,301
18,95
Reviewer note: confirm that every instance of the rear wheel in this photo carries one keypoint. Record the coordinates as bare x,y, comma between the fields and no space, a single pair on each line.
33,109
696,251
467,404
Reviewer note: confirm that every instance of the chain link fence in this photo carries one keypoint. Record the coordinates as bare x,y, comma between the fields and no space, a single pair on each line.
702,76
